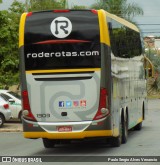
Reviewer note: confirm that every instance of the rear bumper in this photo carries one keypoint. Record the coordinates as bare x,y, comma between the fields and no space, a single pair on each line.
80,130
68,135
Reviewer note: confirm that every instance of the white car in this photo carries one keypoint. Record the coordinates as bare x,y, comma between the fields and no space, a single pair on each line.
5,112
14,101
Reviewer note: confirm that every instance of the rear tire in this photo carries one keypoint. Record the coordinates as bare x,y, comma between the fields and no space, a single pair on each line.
124,130
138,127
20,116
48,143
2,120
116,141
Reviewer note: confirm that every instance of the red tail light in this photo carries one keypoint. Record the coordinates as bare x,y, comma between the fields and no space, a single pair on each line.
6,106
94,11
26,106
102,110
29,14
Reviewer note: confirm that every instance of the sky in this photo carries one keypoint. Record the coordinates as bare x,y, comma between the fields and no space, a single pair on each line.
149,23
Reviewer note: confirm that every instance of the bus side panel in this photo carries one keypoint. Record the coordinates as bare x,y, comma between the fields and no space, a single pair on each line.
112,122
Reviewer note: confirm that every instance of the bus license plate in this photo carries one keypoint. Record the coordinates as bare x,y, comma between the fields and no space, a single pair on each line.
64,129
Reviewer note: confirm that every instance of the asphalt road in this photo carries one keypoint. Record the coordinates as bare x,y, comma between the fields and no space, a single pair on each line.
140,143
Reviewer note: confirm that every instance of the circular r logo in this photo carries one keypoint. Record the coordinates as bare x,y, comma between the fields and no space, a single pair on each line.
61,27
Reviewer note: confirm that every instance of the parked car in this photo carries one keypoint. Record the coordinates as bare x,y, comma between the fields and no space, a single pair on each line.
5,112
14,101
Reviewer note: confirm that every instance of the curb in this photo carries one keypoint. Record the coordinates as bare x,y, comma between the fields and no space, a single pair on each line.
11,127
10,130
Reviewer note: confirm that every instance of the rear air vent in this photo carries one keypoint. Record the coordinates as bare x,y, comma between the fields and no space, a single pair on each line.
63,76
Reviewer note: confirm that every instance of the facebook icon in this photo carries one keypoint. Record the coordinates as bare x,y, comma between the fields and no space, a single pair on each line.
61,103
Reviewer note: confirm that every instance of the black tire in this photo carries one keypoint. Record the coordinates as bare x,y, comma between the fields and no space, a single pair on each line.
116,141
48,143
138,127
20,116
124,129
2,120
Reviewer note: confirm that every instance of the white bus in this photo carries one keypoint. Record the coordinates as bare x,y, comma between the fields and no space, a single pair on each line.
82,76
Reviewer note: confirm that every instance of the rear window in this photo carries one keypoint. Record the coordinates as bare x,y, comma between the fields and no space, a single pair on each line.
15,95
2,99
62,40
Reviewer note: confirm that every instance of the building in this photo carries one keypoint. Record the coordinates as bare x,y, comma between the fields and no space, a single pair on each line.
149,42
152,43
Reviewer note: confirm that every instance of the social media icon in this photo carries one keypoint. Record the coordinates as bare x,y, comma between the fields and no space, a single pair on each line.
68,104
61,103
83,103
75,103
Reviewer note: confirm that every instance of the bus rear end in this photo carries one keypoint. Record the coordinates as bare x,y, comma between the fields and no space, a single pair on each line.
60,55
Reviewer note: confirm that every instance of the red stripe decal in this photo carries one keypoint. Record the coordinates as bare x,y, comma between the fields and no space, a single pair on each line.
60,41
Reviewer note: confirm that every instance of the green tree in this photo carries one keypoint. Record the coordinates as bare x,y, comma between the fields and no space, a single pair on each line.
36,5
120,8
154,83
9,30
9,26
78,7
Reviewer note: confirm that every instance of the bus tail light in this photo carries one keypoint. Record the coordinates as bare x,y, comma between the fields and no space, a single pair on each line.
94,11
103,107
27,114
29,14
